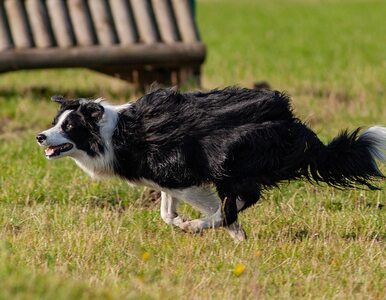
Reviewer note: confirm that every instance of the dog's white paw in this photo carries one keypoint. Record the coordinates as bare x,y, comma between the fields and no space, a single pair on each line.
236,232
194,226
177,221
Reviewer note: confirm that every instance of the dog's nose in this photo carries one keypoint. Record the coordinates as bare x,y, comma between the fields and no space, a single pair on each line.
41,138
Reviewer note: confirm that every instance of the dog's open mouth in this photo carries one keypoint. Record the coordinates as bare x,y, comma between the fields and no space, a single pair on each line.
52,151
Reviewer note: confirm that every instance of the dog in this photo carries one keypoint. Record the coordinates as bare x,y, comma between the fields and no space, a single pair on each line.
216,150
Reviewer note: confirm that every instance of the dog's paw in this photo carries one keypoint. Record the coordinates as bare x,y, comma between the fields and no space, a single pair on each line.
176,220
194,226
236,232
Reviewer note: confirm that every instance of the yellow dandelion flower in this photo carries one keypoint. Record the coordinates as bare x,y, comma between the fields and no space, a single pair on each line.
239,269
146,256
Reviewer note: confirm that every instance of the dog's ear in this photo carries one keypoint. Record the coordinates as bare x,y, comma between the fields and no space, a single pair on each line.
92,110
60,99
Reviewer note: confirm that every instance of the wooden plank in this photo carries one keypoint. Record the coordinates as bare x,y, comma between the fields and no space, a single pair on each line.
18,22
188,75
5,35
104,26
165,20
40,25
124,22
82,23
145,23
158,54
61,23
185,20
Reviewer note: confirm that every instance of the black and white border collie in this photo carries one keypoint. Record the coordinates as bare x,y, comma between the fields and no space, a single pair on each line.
216,150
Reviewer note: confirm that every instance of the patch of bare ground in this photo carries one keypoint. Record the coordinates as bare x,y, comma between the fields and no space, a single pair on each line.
9,128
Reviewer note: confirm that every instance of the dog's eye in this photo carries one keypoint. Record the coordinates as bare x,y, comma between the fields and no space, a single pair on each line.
67,126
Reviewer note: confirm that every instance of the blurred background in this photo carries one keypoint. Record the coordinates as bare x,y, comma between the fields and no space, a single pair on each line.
63,234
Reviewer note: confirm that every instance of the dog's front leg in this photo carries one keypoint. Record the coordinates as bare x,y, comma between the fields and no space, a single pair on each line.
169,206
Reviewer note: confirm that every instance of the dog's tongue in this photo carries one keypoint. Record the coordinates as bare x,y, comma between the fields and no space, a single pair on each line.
49,151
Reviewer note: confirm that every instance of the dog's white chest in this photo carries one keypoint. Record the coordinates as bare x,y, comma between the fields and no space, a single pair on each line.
95,167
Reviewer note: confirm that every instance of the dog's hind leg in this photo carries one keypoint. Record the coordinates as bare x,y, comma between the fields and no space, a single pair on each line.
236,231
198,225
230,206
214,221
209,203
204,200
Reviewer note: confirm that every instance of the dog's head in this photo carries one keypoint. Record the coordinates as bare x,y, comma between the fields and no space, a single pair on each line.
75,131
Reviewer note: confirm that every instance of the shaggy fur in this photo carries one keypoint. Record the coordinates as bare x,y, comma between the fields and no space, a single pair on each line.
240,141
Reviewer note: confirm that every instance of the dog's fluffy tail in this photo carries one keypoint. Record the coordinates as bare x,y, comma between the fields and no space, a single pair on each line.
350,158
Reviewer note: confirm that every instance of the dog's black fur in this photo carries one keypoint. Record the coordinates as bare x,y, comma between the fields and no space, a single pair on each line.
240,140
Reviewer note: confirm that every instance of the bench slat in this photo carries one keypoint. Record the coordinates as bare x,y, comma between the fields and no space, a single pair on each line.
124,22
165,20
145,24
82,23
60,22
39,21
96,57
185,20
18,23
104,26
5,35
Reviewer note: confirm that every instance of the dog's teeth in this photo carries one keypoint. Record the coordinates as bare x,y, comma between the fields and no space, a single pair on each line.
49,151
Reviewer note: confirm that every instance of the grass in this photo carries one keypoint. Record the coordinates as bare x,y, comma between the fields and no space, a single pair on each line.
63,236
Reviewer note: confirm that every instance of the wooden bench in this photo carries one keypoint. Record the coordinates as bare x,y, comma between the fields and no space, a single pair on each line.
140,41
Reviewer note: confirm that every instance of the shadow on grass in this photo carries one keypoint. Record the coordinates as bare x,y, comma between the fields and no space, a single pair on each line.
147,199
355,236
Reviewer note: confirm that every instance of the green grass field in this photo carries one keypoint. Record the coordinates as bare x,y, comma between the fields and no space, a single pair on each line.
63,236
